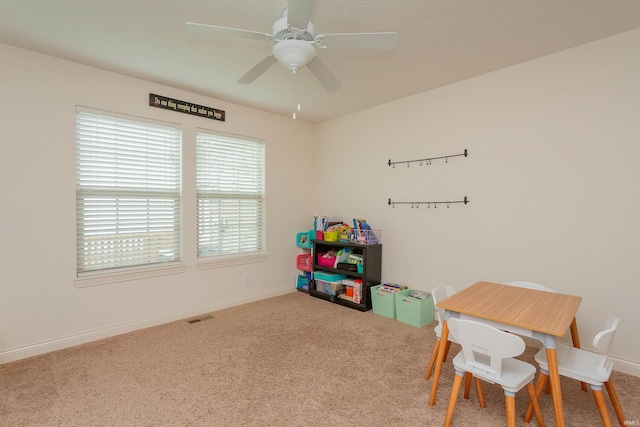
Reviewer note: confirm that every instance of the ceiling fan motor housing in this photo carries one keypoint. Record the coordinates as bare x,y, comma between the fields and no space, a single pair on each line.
294,54
282,31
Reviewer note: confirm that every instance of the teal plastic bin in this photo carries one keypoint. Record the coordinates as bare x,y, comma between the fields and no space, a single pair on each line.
414,311
303,240
384,303
329,277
302,283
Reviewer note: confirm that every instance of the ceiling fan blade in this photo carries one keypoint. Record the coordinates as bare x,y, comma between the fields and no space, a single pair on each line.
299,13
257,71
216,31
379,41
324,75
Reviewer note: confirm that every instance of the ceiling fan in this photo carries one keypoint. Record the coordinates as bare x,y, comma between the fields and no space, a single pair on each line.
295,41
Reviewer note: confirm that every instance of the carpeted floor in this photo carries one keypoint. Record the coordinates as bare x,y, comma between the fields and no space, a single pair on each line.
292,360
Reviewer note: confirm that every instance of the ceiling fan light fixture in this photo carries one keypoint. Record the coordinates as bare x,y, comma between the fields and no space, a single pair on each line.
294,54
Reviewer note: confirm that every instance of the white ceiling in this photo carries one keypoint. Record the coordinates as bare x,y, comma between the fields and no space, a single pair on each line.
439,42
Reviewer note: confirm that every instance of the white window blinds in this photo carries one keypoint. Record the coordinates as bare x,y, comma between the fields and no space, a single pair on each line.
230,185
128,183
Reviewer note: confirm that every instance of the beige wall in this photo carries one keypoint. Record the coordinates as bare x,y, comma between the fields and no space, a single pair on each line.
552,176
40,307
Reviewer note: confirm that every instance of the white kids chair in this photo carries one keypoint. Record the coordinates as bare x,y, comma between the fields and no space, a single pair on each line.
488,354
530,285
573,330
438,294
586,366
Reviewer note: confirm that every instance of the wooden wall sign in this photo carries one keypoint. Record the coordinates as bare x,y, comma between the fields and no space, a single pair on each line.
185,107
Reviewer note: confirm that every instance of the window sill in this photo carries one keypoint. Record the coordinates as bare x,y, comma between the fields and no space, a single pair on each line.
101,278
227,261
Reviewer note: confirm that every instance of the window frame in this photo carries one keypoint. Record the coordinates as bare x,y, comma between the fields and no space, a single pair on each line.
129,272
238,258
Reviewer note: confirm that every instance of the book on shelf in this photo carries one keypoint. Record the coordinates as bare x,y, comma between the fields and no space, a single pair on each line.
363,231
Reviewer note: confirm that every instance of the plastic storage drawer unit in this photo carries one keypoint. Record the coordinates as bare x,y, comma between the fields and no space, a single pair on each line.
330,288
329,283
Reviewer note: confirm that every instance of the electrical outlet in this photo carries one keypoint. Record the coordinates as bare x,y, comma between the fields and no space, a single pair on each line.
245,279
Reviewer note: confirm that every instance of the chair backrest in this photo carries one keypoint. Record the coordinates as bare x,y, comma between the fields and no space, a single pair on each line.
602,340
484,347
530,285
438,294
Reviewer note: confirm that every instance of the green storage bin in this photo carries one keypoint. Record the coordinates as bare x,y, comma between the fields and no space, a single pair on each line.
414,311
384,303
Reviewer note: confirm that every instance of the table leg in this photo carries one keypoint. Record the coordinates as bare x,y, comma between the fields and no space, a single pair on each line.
444,336
554,378
575,339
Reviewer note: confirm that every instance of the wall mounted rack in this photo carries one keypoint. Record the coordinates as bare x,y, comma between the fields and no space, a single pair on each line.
435,204
427,161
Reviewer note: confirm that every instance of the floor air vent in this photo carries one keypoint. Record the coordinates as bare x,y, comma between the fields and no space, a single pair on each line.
200,319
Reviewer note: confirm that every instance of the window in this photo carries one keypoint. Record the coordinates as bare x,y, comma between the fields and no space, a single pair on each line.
230,184
127,192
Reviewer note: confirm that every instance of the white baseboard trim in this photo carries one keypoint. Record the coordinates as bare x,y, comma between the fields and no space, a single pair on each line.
626,366
83,338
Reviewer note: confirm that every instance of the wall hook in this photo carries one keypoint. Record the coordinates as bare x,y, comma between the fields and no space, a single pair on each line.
428,160
417,204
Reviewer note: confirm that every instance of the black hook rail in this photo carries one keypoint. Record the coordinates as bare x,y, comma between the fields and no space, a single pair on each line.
428,160
435,204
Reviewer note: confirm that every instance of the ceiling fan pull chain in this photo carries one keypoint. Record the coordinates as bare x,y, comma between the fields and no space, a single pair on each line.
296,95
